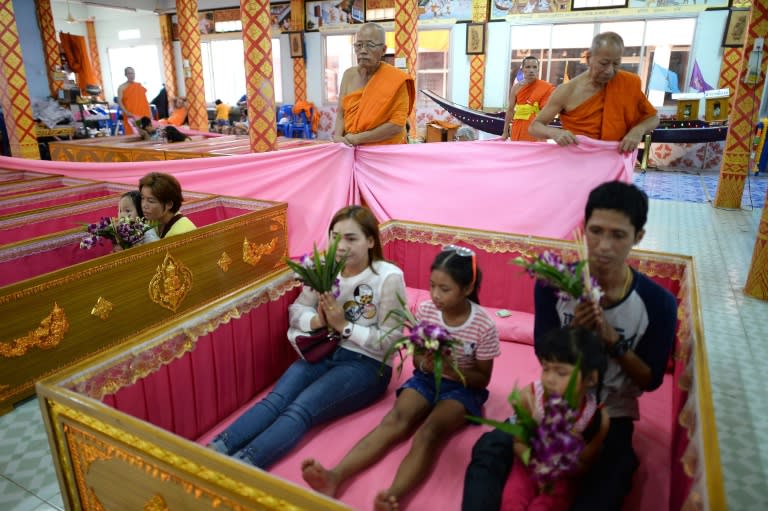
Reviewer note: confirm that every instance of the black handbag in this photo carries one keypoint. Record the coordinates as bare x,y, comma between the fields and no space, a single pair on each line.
317,345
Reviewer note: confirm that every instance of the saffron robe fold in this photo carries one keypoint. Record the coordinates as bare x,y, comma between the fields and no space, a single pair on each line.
135,101
387,97
528,102
612,112
178,116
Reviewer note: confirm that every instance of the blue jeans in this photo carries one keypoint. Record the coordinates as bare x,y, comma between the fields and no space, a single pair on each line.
304,396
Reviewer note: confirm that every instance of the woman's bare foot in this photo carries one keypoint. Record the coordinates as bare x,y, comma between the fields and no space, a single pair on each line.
318,477
385,502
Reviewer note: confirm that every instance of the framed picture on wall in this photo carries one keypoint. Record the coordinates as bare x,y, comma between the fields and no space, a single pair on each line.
296,40
736,28
475,38
578,5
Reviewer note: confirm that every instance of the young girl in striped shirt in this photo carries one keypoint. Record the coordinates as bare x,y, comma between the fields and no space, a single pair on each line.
454,284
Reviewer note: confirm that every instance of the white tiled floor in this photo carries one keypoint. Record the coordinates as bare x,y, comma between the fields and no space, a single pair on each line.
736,332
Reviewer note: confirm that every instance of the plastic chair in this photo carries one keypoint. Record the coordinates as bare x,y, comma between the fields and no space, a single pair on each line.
285,111
300,125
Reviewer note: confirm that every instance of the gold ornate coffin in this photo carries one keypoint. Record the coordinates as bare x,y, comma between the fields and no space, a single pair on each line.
145,456
57,318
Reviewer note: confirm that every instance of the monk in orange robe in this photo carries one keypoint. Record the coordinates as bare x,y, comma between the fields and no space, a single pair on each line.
603,102
132,98
526,99
179,114
375,99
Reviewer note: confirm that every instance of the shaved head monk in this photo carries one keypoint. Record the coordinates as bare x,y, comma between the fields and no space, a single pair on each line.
375,98
132,98
603,102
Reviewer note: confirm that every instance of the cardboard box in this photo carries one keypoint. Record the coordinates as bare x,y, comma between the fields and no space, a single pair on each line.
441,132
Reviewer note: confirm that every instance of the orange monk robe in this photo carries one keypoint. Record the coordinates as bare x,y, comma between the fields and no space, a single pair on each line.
529,101
612,112
387,97
177,117
310,112
135,101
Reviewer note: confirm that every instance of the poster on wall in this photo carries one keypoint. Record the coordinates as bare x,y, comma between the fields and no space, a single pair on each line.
503,8
597,4
677,3
280,15
334,13
379,10
206,22
459,10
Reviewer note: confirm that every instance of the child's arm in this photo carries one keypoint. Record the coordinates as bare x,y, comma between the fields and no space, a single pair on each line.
592,450
526,402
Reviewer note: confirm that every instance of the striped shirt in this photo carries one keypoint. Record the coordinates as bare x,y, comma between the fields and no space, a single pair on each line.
478,335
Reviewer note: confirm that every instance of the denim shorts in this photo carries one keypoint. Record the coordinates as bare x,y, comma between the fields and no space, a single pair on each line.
424,384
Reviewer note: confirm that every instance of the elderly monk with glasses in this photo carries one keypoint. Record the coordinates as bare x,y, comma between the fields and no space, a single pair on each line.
375,98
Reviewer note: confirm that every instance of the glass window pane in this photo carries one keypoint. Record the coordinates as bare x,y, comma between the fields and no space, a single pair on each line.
277,71
432,64
577,35
630,31
675,32
338,58
530,36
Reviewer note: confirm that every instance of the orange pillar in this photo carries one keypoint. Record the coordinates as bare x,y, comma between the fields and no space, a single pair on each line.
14,93
169,65
51,50
299,65
477,62
191,57
259,83
93,50
745,103
406,40
757,278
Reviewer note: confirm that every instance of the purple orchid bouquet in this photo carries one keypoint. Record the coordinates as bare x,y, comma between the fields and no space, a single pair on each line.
125,232
422,338
571,280
552,448
320,271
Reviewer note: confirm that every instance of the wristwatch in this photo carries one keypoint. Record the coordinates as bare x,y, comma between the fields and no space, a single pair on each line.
620,347
346,332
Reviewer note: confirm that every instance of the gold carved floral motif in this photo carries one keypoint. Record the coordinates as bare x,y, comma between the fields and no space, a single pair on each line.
224,262
253,252
156,503
48,335
170,284
102,309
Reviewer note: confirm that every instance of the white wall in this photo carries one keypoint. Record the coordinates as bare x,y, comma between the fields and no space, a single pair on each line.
497,66
314,63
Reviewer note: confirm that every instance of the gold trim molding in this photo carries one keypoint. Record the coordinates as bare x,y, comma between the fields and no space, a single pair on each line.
85,448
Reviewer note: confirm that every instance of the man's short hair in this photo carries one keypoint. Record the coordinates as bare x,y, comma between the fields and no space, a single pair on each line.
125,71
530,57
619,196
607,39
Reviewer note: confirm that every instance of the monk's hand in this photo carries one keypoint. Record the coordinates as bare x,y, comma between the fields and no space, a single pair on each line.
630,141
564,137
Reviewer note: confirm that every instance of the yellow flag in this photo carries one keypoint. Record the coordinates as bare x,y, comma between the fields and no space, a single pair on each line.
566,78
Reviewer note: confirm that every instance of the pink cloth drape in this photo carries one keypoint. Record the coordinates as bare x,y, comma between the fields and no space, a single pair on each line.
523,187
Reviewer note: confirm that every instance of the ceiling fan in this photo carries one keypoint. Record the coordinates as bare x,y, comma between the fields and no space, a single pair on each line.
72,19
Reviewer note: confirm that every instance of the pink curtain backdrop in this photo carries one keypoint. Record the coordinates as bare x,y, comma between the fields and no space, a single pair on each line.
527,188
